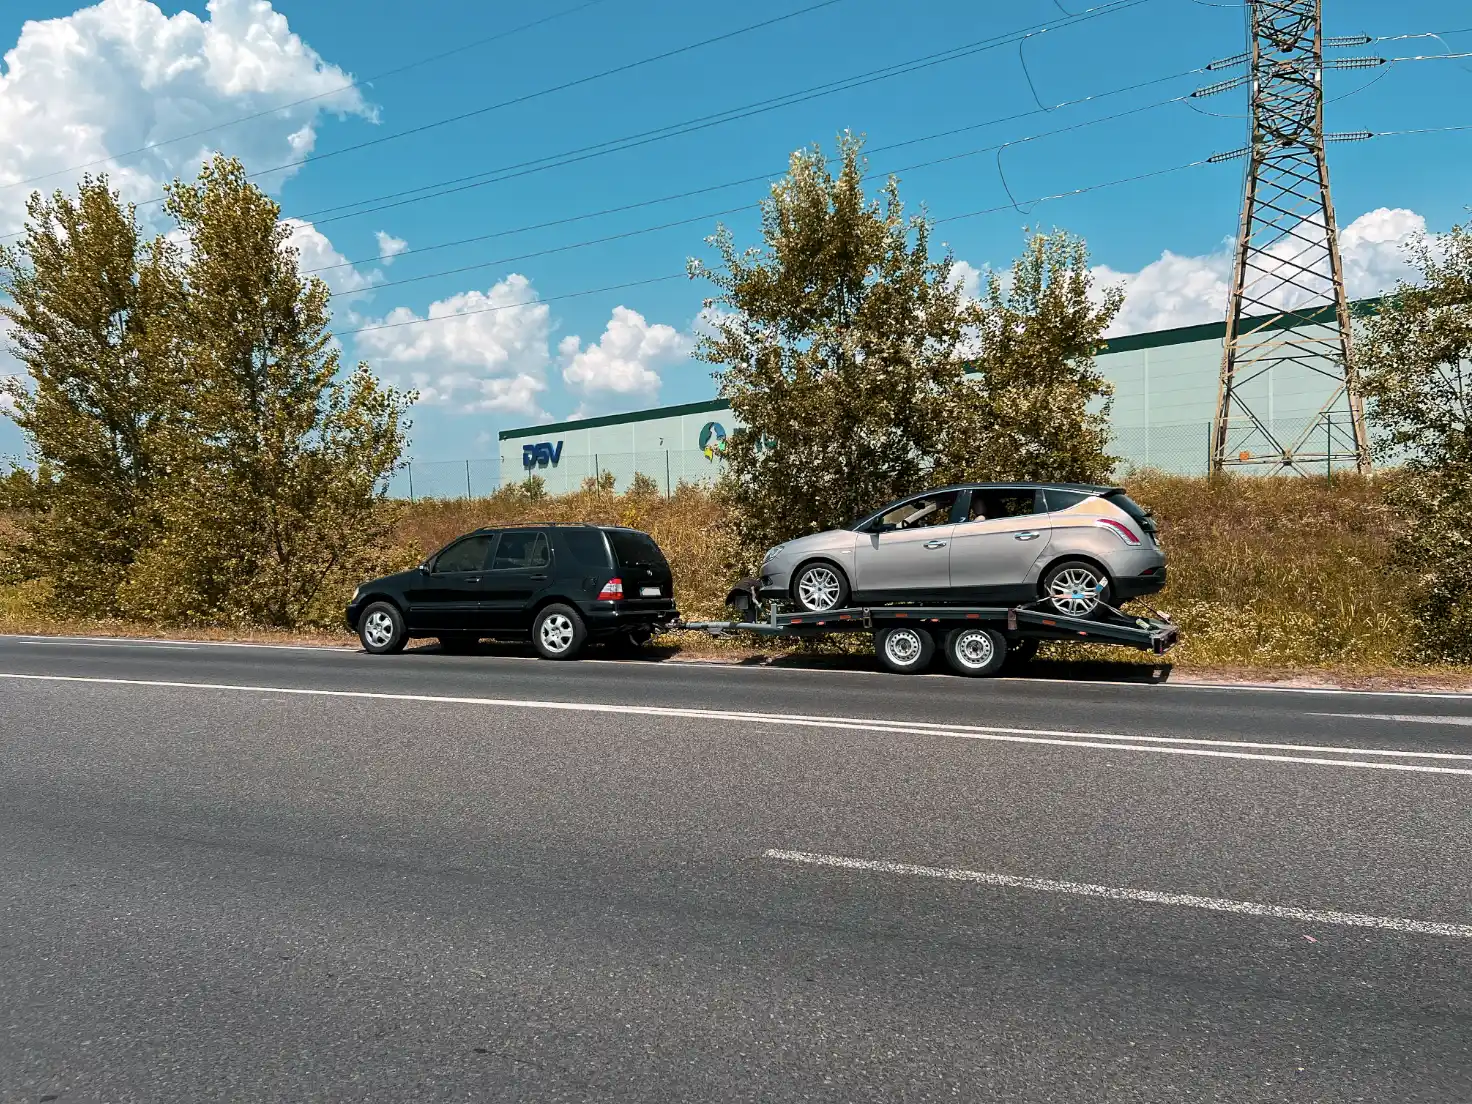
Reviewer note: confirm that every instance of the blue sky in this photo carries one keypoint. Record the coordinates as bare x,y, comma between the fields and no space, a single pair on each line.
625,349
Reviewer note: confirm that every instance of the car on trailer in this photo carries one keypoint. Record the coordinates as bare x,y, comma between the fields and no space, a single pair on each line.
561,586
1079,547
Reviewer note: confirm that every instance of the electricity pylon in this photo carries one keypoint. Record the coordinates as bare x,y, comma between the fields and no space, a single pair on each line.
1288,318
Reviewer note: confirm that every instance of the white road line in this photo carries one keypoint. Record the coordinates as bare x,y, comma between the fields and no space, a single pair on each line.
155,642
102,644
731,665
1143,896
1411,717
1050,737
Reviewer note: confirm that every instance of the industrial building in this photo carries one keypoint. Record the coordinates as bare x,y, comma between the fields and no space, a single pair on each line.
1165,392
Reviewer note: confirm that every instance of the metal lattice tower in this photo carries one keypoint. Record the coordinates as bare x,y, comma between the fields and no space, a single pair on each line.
1288,319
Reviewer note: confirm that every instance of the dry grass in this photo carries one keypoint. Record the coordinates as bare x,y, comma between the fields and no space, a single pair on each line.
686,525
1278,572
1270,578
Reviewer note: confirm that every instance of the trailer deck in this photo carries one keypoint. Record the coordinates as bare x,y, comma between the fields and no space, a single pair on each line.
1014,629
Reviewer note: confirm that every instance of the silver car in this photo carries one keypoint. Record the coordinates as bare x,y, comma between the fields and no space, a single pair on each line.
1071,545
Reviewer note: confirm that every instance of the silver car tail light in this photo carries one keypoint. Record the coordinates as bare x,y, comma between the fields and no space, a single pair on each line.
1120,530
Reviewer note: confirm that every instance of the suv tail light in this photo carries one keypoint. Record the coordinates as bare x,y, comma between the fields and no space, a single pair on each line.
612,591
1120,530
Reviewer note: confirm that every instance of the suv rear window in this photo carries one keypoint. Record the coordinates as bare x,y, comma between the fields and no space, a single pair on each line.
586,546
1063,500
633,547
1134,509
1127,504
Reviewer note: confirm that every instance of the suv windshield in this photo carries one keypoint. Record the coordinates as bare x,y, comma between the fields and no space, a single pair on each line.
632,547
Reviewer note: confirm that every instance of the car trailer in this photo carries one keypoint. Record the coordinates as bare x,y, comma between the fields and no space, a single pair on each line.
976,640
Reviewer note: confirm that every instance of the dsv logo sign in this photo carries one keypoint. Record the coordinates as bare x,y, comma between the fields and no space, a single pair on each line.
541,455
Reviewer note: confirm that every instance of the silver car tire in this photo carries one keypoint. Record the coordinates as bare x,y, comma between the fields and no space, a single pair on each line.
819,587
976,651
904,650
559,633
381,629
1075,588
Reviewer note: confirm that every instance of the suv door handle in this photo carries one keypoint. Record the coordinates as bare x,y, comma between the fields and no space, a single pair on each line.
1028,536
935,544
538,576
474,579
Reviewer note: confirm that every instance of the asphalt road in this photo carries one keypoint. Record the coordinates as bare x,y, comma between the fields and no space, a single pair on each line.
259,874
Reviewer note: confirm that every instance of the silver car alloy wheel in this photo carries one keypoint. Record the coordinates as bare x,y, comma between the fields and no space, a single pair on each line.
557,632
1075,592
902,647
378,629
818,589
974,648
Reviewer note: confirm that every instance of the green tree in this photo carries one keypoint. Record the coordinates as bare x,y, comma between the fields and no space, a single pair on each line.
1038,404
92,309
1415,363
277,503
838,343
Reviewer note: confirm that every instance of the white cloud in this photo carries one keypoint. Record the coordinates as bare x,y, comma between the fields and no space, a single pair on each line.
389,246
485,351
968,276
320,258
624,361
1180,291
114,77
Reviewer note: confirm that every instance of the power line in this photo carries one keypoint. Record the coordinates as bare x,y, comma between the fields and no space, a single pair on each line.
617,145
684,275
310,99
1135,178
762,177
743,207
564,86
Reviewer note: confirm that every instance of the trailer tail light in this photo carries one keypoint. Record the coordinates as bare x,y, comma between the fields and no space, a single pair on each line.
1120,530
612,591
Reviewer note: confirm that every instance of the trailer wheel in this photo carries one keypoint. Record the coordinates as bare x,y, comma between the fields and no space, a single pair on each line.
973,650
904,650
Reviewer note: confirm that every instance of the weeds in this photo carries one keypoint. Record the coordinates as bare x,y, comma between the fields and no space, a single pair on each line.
1281,574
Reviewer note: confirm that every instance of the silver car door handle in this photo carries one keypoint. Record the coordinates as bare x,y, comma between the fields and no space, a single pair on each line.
935,544
1027,536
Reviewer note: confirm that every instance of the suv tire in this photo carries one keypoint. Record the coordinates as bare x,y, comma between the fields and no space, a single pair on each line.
975,651
1065,589
819,587
381,629
558,632
904,650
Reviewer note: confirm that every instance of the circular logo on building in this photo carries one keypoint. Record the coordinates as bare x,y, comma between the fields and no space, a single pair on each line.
712,439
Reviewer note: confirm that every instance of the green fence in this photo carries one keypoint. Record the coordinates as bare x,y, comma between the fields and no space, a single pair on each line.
1180,449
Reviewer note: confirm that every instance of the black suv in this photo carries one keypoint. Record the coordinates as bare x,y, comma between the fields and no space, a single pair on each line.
560,585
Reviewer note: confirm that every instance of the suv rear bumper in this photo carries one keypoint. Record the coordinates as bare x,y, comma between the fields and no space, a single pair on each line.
607,618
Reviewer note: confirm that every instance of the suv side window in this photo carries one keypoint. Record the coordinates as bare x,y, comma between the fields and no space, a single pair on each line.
932,509
465,555
524,549
991,505
587,547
